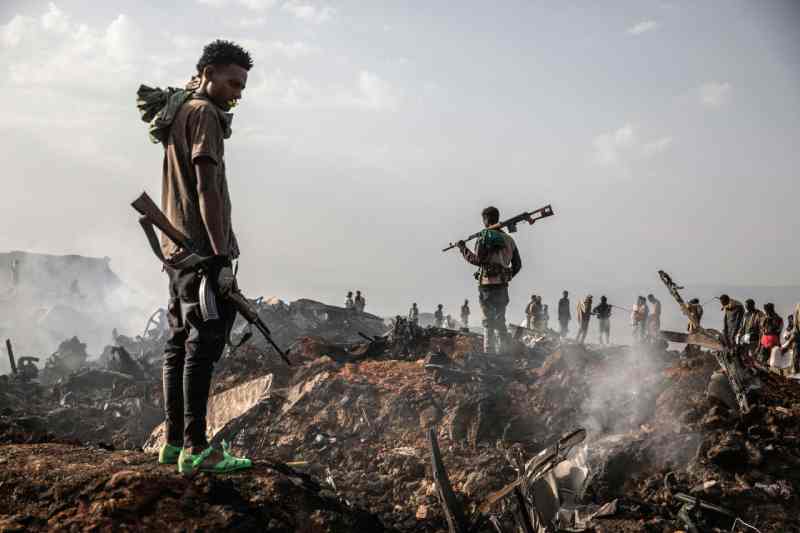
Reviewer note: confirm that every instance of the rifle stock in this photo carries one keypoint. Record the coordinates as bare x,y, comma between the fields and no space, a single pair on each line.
189,258
148,208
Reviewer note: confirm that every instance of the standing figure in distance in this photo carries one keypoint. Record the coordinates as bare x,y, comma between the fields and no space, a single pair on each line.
564,314
360,302
584,315
438,316
639,315
732,319
530,312
465,312
497,257
654,318
349,304
771,328
603,314
413,314
749,335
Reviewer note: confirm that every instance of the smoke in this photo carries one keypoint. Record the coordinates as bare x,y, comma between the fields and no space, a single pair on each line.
52,298
622,397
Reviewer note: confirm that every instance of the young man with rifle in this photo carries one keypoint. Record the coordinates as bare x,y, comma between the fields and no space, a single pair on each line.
192,125
497,256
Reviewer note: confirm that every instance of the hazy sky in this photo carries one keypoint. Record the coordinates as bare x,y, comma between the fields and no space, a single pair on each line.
665,135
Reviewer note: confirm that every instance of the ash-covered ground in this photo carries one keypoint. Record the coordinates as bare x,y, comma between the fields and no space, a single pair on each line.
341,438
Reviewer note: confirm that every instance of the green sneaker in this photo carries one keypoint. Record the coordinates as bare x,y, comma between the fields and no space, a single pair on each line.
168,454
213,461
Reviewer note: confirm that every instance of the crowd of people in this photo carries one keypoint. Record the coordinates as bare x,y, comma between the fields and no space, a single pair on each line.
763,334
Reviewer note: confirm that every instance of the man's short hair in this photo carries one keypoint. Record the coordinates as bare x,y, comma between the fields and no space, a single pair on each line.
750,302
222,52
491,214
724,298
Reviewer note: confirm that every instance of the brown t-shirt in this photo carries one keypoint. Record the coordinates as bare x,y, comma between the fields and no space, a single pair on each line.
197,131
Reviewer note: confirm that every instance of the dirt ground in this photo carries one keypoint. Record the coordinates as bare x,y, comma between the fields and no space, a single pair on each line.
353,418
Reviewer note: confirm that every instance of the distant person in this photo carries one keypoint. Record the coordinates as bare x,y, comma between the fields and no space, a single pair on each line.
465,312
695,311
732,318
451,324
359,303
771,328
546,317
654,319
603,314
792,341
538,316
15,272
530,311
438,316
413,314
564,315
749,334
348,302
639,314
584,315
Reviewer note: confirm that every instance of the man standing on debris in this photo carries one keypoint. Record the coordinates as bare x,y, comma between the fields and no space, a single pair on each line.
603,314
498,258
413,314
732,320
749,334
545,317
654,319
360,302
793,339
771,327
639,315
465,312
564,315
348,301
531,311
695,310
195,198
584,315
438,316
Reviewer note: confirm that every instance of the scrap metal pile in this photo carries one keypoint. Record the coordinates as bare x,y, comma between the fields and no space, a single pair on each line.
415,429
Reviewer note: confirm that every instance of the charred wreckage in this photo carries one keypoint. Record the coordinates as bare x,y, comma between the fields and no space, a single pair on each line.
388,426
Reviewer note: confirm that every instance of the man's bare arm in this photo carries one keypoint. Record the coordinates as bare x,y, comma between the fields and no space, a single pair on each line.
210,196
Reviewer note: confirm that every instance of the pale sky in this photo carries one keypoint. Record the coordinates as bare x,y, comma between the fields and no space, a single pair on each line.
664,134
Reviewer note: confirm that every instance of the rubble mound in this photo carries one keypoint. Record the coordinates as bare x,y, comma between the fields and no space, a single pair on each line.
74,488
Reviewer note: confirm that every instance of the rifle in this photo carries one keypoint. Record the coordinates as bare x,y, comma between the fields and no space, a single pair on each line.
188,257
511,224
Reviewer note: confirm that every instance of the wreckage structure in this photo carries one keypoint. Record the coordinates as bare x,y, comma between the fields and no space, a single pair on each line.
386,426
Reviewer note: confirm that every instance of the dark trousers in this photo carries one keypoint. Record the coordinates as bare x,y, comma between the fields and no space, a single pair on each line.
494,300
192,349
